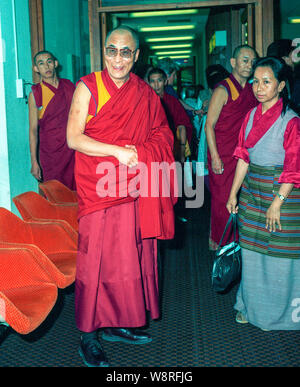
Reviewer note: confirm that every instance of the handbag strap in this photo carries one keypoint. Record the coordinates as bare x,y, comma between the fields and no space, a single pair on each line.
233,222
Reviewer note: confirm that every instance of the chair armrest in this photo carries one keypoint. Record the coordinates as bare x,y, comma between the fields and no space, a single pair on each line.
52,236
37,254
67,212
20,268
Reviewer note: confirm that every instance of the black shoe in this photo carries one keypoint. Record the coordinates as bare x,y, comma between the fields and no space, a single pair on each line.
92,353
126,335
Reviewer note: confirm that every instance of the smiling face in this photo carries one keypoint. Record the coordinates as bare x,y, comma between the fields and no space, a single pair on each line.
46,66
157,82
118,67
266,87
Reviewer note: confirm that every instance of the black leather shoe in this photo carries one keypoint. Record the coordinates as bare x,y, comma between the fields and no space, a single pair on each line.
126,335
92,353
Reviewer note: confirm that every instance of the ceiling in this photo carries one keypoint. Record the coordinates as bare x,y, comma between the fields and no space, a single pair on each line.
193,22
289,8
195,17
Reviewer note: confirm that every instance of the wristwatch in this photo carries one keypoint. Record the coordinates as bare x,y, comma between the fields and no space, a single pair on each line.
281,197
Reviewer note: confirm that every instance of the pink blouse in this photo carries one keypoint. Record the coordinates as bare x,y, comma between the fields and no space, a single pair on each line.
291,143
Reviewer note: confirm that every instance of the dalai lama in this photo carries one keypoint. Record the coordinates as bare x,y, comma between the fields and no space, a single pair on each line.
116,118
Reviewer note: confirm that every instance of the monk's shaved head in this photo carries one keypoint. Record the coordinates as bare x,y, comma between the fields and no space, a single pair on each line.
124,30
238,50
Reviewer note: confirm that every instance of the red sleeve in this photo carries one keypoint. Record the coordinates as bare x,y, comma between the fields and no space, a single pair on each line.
156,211
291,144
37,94
180,116
90,82
241,151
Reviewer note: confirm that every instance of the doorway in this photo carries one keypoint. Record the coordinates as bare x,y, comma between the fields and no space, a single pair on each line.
245,18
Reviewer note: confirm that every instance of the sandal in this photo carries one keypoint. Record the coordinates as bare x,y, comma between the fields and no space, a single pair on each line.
240,318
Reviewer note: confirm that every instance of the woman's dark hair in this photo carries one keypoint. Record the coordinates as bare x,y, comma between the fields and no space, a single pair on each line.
280,70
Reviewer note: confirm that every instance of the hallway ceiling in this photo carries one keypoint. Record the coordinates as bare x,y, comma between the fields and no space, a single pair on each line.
289,8
193,23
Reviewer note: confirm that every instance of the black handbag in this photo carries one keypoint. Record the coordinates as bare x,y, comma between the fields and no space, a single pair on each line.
228,262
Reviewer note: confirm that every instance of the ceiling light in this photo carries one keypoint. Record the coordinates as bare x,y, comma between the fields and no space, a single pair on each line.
163,13
169,39
293,20
168,28
173,52
171,46
175,57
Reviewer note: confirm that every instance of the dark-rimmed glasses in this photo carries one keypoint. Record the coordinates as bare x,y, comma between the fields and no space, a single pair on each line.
125,53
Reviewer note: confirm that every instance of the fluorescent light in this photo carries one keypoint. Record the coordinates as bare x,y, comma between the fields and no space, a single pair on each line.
171,46
175,57
170,39
168,28
163,13
293,20
173,52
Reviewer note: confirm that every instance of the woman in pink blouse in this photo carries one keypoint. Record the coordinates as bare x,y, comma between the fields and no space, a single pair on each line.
268,170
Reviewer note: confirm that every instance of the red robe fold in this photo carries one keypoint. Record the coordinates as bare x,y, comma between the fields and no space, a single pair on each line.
177,115
116,276
132,115
56,158
240,101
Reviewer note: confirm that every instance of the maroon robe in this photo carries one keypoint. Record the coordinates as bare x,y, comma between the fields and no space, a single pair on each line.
227,128
56,158
116,277
177,115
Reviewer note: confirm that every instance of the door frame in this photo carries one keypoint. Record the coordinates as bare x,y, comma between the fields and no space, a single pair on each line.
260,34
258,10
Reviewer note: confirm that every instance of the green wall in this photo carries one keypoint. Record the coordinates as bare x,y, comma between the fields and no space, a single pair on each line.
17,63
67,35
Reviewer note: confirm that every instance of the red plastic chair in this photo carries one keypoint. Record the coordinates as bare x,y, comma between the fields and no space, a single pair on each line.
27,292
48,242
33,207
57,192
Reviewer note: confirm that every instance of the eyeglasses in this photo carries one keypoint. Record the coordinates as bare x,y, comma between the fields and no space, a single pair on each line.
125,53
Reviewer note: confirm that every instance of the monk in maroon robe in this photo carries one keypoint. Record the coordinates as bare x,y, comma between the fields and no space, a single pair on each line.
230,102
49,105
180,125
117,126
178,119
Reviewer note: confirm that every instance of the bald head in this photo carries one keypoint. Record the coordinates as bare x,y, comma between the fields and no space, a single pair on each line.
243,47
124,30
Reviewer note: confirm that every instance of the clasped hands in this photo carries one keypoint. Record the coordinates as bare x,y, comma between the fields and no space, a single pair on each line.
127,155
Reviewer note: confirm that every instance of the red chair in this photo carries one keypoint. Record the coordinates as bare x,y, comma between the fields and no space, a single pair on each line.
48,242
33,207
27,291
57,192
